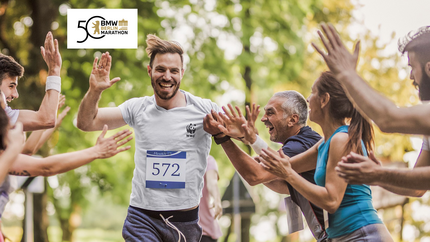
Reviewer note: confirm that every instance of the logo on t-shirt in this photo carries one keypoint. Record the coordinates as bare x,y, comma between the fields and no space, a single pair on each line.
191,130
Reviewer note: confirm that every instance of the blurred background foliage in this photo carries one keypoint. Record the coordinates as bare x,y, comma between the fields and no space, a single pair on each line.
237,52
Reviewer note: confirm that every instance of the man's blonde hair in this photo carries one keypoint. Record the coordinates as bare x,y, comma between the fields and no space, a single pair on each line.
156,46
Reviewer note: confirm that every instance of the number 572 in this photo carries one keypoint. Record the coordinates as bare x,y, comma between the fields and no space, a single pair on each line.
157,167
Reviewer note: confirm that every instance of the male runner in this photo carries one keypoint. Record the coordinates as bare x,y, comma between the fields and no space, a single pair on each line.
171,145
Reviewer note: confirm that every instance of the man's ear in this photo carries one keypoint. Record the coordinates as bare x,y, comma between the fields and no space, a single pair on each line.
292,120
149,70
427,68
324,99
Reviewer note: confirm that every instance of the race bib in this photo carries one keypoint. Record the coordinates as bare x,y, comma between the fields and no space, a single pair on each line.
165,169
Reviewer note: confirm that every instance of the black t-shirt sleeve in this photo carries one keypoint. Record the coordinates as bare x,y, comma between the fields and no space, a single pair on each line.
293,148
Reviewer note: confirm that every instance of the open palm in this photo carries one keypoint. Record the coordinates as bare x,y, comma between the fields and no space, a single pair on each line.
99,78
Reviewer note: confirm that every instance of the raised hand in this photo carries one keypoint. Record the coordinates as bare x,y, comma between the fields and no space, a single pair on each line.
232,122
51,55
250,131
108,147
275,162
61,100
61,116
99,78
338,58
210,124
358,169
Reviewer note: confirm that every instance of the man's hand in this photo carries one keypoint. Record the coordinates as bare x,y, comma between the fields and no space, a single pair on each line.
358,169
108,147
276,163
250,131
51,55
338,58
232,123
99,78
210,124
217,209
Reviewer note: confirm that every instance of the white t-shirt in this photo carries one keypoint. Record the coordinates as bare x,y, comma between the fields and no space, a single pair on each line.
12,114
158,132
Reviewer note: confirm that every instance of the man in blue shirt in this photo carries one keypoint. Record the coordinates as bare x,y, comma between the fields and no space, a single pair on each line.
285,116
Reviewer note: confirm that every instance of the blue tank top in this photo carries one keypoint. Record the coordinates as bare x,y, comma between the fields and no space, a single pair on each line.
356,209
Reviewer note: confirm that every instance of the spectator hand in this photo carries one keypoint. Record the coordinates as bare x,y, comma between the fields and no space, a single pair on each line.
108,147
358,169
217,209
232,122
51,55
250,131
276,163
338,58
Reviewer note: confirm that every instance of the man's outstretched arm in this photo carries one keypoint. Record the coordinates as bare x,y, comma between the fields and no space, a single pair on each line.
46,116
90,116
247,167
371,104
358,169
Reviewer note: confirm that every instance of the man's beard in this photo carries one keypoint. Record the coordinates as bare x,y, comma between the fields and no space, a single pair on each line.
424,92
163,96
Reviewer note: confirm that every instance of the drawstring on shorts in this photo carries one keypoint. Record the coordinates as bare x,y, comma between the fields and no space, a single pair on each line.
180,234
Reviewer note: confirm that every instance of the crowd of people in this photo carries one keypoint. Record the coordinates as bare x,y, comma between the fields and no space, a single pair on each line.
327,176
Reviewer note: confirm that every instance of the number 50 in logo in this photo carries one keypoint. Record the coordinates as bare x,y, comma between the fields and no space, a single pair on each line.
96,26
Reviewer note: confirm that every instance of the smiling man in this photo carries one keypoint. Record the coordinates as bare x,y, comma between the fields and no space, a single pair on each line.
285,118
171,145
11,71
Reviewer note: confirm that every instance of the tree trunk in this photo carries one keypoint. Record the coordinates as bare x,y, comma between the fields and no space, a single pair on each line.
40,216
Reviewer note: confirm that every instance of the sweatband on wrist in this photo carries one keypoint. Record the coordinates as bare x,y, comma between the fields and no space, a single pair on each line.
258,145
53,82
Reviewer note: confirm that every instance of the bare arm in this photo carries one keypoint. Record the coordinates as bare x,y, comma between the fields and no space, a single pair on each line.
422,161
104,148
39,137
247,167
90,116
278,185
328,197
212,185
357,169
46,116
371,104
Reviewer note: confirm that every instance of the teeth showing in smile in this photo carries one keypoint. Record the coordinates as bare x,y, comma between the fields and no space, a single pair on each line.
166,85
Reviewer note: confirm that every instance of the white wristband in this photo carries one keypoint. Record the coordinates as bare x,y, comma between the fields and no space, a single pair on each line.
258,145
53,82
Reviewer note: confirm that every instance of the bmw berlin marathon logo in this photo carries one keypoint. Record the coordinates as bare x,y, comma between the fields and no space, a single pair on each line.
102,28
107,27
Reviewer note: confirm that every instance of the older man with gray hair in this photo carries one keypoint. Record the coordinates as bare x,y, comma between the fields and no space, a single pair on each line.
285,116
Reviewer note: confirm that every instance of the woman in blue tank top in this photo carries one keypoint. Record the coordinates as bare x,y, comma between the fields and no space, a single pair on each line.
351,216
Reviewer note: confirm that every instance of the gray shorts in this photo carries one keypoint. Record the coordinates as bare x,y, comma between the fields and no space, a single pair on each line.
368,233
154,226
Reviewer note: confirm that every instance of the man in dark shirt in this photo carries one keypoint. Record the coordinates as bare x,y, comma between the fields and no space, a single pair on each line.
285,117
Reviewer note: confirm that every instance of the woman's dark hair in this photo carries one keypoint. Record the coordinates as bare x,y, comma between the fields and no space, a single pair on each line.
4,123
340,108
